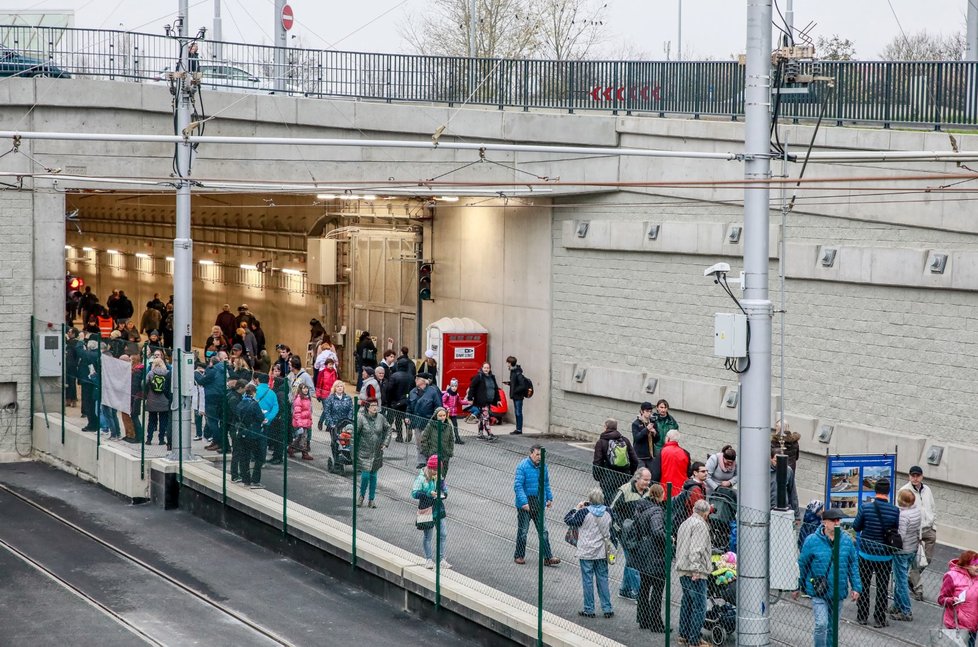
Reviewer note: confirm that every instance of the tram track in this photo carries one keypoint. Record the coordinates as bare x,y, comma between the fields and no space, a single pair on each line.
105,608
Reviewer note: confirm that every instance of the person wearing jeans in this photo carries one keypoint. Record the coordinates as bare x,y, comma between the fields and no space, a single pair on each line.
909,528
593,522
518,387
526,486
816,568
693,565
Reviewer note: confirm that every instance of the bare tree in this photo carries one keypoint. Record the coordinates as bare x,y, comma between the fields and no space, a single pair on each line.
835,48
923,46
569,29
554,29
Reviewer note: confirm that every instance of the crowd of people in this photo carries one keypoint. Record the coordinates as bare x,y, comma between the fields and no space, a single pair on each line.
248,404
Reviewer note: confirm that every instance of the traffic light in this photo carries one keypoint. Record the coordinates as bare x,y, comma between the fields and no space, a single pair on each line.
424,282
74,283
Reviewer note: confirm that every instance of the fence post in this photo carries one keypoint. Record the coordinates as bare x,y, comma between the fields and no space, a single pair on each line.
64,336
438,510
834,611
356,475
669,518
142,435
224,442
541,505
179,355
285,475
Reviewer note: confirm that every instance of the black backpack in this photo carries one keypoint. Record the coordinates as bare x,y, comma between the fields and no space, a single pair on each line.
891,536
527,387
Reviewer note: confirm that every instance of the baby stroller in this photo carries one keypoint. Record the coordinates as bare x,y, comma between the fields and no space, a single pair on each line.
341,447
721,590
724,503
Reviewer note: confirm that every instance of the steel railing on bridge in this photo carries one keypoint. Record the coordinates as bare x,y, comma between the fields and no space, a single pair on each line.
931,93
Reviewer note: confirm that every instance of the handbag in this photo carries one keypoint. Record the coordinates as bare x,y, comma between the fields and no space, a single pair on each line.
426,518
945,637
572,535
922,560
820,583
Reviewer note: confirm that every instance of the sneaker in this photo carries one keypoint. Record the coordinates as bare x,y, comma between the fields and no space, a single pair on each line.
430,565
446,565
518,432
306,456
902,617
553,561
586,614
682,641
235,479
371,504
609,614
360,502
198,437
275,461
519,560
628,596
492,438
459,441
257,486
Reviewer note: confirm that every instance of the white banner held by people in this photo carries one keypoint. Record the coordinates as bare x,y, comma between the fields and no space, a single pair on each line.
116,384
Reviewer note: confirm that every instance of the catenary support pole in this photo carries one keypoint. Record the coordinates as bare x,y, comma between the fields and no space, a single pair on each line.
753,622
183,251
789,21
473,26
679,36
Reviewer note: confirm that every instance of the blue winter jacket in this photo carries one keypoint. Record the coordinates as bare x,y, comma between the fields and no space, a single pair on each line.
268,401
214,380
526,483
815,560
871,527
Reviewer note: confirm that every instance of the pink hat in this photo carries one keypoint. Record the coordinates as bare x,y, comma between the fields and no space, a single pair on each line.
433,462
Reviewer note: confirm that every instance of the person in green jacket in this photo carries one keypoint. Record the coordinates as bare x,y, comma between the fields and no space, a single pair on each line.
374,437
429,439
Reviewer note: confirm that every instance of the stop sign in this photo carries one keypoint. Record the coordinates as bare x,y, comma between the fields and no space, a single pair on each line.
288,18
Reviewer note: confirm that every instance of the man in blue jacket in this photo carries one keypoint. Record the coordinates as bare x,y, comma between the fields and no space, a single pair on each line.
815,565
526,485
873,521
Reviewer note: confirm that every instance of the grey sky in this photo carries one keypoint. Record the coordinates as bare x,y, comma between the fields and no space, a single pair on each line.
711,28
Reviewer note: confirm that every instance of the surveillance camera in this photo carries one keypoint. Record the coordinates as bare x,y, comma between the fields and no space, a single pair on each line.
717,270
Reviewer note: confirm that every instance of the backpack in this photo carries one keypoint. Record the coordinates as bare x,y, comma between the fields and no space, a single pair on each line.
629,534
158,384
527,387
618,452
891,536
368,354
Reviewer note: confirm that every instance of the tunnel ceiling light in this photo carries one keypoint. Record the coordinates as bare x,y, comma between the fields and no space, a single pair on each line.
253,268
206,261
370,197
87,249
289,270
325,196
142,255
68,247
112,251
349,196
169,258
448,198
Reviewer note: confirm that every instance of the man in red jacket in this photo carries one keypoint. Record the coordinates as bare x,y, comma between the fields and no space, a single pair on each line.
675,463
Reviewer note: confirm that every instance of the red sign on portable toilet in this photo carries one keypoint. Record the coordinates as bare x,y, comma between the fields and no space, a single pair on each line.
288,18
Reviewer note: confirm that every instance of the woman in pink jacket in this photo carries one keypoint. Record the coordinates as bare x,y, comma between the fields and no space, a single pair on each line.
959,594
301,422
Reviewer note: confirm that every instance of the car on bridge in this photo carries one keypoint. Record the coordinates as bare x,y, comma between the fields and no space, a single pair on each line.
15,64
229,78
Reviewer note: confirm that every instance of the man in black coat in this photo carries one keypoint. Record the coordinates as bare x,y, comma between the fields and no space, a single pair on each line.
394,393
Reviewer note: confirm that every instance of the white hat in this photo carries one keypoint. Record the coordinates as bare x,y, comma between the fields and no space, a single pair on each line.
430,354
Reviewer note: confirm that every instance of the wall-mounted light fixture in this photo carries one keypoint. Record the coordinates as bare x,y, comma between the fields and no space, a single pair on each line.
582,228
733,233
650,385
580,374
825,434
937,263
653,232
934,455
826,256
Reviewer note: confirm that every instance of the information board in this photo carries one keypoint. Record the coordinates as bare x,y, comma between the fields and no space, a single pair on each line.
851,480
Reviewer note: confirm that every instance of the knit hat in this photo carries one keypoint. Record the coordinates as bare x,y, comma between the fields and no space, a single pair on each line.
433,462
154,332
815,506
430,354
368,370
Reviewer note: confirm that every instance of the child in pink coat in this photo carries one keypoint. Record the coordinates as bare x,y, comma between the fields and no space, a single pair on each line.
455,405
301,422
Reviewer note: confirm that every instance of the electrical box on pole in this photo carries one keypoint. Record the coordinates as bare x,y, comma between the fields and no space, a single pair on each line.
730,335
